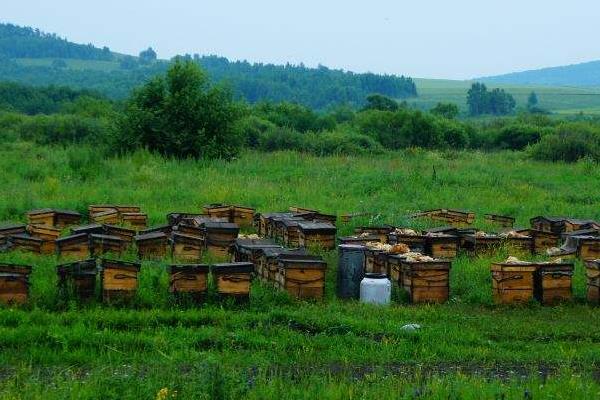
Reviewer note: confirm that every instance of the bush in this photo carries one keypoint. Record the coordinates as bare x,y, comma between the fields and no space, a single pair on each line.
63,129
319,143
517,137
571,142
251,128
179,115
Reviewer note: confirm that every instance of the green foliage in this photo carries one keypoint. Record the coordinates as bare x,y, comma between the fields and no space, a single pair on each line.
518,136
44,100
570,142
180,115
295,116
481,101
147,56
63,129
381,103
446,110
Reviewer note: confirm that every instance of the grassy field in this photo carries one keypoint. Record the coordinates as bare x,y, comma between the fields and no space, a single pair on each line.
562,100
275,346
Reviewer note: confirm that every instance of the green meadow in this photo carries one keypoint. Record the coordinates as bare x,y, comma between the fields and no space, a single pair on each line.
275,346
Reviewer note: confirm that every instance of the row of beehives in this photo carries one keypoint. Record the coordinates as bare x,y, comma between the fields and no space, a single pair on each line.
186,236
427,279
300,227
119,280
446,242
295,271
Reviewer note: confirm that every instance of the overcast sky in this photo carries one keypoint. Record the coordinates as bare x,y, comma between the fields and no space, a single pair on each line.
423,38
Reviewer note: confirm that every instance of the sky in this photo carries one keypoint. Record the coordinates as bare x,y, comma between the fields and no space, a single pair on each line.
458,39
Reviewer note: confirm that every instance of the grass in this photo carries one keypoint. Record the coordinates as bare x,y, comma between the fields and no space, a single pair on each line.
277,347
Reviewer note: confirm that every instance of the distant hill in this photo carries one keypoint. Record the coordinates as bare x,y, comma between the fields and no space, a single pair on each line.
585,74
24,42
33,57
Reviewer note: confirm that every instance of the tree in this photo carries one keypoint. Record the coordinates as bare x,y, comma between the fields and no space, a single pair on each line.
128,62
381,103
532,101
148,56
477,99
180,115
446,110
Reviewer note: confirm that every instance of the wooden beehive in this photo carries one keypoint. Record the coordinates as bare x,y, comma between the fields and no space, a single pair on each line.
42,217
375,260
553,283
120,231
123,208
248,250
87,229
220,236
382,232
302,278
137,220
119,279
291,231
268,261
218,210
186,248
74,246
513,282
233,279
175,218
426,281
592,273
106,217
449,216
100,208
7,230
48,235
346,218
188,279
26,243
191,230
542,240
393,267
65,218
104,244
77,279
503,221
319,234
262,222
442,246
482,244
152,245
14,283
588,248
242,216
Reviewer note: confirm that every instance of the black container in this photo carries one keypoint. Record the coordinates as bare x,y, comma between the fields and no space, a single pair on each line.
350,270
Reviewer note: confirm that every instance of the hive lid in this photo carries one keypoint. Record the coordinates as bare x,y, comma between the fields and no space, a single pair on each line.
177,235
107,262
192,268
78,266
352,247
76,237
157,228
151,236
221,225
12,226
15,268
228,268
442,229
499,216
89,228
299,262
316,226
23,236
108,228
106,237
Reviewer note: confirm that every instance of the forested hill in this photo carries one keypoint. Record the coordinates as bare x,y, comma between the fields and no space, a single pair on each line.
584,74
30,56
25,42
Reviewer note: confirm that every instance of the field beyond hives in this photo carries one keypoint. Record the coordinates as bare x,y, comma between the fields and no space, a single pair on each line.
275,347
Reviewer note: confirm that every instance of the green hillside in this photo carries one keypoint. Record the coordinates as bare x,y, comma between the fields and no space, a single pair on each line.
563,100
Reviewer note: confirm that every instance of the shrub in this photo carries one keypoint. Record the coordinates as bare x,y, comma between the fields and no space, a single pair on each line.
570,142
63,129
518,136
180,115
251,128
